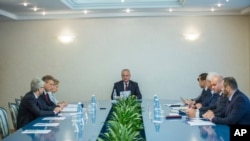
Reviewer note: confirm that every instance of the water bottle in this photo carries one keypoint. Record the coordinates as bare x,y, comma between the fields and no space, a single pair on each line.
157,111
155,97
93,103
114,95
79,112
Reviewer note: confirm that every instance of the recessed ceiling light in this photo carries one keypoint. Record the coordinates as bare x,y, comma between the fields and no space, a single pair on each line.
122,1
212,9
25,4
128,10
227,0
218,4
35,8
170,10
85,11
43,13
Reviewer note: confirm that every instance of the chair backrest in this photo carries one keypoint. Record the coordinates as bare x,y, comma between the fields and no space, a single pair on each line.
18,101
14,112
4,124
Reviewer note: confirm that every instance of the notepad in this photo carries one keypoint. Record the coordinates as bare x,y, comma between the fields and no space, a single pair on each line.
53,118
36,131
46,124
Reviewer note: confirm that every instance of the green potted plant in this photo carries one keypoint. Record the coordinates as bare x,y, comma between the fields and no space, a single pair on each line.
125,122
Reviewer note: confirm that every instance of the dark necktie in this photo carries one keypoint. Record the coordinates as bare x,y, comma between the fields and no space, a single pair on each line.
228,105
47,97
126,86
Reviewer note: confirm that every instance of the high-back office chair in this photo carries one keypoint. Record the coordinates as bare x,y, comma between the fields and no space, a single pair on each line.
4,124
13,112
18,101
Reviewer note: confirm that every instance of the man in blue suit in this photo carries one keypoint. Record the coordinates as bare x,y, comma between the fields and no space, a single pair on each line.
237,111
29,108
126,85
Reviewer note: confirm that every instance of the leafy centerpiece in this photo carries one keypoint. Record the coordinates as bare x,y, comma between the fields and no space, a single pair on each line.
125,121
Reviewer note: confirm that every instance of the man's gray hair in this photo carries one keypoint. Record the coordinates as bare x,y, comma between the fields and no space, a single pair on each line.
210,75
36,83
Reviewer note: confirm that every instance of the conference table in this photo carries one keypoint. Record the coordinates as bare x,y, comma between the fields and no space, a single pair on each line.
63,127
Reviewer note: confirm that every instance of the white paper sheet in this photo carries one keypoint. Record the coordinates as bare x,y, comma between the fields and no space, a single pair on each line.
46,124
199,122
179,108
36,131
54,118
72,106
173,114
69,109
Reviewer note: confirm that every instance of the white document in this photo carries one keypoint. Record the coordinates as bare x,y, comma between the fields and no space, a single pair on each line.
72,106
69,109
179,108
199,122
175,104
173,114
46,124
36,131
125,94
54,118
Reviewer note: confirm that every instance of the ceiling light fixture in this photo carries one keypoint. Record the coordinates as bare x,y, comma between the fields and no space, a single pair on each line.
25,4
191,36
170,10
227,0
66,38
219,4
35,8
85,11
43,13
128,10
212,9
122,1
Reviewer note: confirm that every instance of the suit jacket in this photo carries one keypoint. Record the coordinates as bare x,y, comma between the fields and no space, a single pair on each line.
210,100
29,110
218,107
46,105
133,87
203,96
237,112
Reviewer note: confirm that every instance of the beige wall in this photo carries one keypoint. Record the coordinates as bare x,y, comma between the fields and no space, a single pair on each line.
154,48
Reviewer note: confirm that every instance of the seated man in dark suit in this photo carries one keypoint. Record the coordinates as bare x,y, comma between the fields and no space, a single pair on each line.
126,85
29,108
211,100
221,102
44,100
205,91
237,111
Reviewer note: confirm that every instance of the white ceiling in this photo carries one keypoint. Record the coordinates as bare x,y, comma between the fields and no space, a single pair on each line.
67,9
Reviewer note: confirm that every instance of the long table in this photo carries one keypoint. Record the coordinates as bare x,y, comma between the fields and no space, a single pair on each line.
169,129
